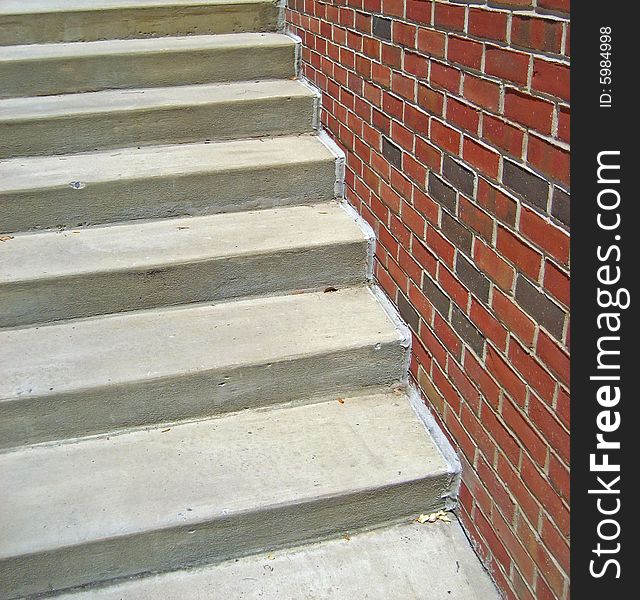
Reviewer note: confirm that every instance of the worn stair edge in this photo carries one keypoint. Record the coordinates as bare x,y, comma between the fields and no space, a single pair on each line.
91,121
48,69
104,373
211,490
189,179
399,562
47,21
91,271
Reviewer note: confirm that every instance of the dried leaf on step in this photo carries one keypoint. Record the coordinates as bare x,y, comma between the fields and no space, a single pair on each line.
330,289
165,430
341,400
5,238
433,517
346,536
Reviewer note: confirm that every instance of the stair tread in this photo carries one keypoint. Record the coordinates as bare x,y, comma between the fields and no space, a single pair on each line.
107,487
148,244
38,172
11,7
15,110
391,563
104,351
70,50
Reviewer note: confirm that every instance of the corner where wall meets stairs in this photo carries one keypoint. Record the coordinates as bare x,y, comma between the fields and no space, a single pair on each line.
198,376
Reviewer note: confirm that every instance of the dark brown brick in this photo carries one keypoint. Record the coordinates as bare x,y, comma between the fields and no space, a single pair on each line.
408,313
560,206
477,283
436,296
533,190
442,193
392,153
461,178
541,308
467,331
382,28
456,232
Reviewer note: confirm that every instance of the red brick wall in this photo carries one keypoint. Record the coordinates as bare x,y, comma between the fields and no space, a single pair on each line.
454,117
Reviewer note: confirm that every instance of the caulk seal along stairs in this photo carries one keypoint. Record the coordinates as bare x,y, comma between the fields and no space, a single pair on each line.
194,364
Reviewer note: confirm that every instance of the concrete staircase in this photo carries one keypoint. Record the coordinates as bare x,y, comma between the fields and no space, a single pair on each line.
195,370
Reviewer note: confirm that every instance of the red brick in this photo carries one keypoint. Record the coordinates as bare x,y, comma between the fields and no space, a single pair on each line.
539,486
404,34
551,78
514,318
416,64
425,205
392,105
487,24
465,51
428,154
463,115
416,119
483,158
453,288
431,42
496,202
445,77
559,477
449,17
430,100
559,5
535,376
493,266
524,431
556,282
479,221
506,64
525,500
564,124
465,386
553,357
536,33
503,135
556,542
505,375
532,112
444,136
450,394
403,86
482,92
549,159
550,238
393,7
488,325
419,11
392,56
524,257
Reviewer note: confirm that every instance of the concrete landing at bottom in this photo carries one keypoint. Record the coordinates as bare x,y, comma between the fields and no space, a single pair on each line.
404,562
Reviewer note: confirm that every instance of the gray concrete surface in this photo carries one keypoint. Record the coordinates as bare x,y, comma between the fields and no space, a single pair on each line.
91,121
203,491
90,271
189,179
106,373
402,562
41,21
45,69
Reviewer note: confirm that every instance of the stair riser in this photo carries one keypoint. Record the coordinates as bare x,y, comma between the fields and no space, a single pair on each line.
227,537
169,196
169,125
215,280
60,76
144,21
191,396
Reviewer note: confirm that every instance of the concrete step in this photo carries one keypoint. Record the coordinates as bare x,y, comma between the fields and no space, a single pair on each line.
48,69
402,562
79,273
140,117
105,373
190,179
42,21
206,491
